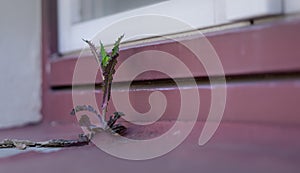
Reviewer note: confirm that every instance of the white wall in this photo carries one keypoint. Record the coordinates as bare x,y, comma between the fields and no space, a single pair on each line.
20,62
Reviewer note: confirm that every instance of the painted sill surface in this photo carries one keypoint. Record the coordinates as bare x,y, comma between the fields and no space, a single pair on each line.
236,147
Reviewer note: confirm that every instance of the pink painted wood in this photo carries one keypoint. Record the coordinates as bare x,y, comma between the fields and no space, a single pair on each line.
264,48
257,102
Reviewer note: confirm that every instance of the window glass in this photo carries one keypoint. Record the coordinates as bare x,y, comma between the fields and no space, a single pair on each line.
85,10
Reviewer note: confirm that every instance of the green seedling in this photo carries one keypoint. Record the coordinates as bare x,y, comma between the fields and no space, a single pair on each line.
107,62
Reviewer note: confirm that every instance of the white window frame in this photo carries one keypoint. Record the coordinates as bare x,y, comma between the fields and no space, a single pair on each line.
245,9
196,13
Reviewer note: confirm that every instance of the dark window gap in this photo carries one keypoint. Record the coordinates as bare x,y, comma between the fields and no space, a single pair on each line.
201,81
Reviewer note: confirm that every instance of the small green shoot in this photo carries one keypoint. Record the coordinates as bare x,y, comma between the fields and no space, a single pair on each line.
107,63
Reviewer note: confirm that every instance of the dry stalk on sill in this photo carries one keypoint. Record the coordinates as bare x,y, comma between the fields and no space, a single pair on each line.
53,143
83,139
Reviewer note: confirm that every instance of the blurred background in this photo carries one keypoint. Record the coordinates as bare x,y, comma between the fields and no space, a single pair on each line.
258,43
20,44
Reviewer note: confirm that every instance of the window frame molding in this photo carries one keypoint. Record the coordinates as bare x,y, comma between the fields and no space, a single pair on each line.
71,34
201,14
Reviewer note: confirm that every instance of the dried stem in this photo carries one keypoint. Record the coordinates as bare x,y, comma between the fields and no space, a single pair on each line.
53,143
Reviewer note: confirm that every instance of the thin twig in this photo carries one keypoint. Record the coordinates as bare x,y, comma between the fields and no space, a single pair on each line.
23,144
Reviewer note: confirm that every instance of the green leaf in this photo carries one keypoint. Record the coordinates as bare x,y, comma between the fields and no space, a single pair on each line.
115,49
105,61
104,55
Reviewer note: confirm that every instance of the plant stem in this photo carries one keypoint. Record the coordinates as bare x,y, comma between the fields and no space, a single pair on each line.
104,116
